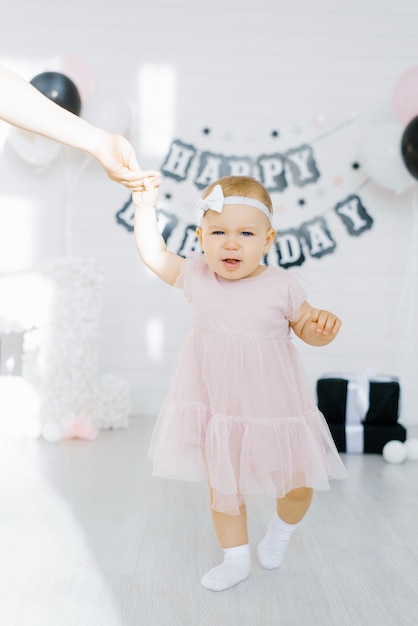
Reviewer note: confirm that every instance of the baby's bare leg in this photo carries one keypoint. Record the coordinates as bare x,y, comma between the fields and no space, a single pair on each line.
231,530
293,507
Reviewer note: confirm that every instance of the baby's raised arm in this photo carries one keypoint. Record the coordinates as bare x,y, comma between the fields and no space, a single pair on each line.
316,326
151,245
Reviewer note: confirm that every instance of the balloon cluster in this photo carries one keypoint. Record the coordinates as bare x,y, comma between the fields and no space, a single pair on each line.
390,151
69,82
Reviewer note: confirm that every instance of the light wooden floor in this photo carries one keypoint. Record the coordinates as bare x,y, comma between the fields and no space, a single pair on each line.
88,538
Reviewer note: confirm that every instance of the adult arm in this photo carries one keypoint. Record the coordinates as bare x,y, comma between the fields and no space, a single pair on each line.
24,106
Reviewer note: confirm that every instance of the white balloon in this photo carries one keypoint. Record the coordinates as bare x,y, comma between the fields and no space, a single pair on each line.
32,428
34,149
52,431
411,446
381,157
394,452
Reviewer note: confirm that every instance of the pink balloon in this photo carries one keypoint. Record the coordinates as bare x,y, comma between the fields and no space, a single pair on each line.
405,95
76,69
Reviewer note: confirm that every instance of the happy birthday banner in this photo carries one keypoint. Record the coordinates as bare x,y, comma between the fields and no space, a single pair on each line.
271,169
276,172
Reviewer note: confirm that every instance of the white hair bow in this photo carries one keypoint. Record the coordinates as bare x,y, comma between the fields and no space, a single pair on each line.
214,201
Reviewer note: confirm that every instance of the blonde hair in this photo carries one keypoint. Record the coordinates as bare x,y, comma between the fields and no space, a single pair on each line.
242,186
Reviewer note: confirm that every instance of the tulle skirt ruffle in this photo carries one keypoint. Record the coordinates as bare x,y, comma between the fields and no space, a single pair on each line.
239,455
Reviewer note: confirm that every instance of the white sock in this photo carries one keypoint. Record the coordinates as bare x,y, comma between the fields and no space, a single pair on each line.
272,548
234,569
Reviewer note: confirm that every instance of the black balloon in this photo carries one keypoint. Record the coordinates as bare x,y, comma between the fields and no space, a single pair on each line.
409,147
60,89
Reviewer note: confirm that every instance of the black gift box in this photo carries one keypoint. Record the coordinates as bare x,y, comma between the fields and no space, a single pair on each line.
374,437
383,401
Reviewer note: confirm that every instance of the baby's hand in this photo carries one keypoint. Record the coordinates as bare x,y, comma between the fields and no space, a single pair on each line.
151,176
147,197
324,322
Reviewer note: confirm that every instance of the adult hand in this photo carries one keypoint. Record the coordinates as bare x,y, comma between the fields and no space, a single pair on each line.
117,157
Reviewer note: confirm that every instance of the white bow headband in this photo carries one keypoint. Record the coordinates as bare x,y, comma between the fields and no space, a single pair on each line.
216,201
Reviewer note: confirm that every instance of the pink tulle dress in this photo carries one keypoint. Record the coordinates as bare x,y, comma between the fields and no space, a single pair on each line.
239,412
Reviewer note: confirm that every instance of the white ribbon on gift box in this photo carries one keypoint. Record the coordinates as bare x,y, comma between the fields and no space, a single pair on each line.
357,405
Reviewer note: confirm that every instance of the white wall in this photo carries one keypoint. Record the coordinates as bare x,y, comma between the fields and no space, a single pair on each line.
241,69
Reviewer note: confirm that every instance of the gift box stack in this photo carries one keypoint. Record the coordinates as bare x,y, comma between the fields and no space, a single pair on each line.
361,410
